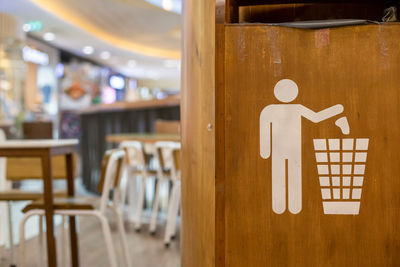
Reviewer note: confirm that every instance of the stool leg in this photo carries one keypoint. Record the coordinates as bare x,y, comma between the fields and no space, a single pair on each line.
153,223
10,234
123,193
21,252
132,197
172,214
176,212
122,235
140,203
109,244
64,241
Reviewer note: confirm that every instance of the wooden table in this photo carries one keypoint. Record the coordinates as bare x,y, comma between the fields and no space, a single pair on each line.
145,138
45,150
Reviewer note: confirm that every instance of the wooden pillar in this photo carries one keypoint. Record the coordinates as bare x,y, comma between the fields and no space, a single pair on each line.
198,134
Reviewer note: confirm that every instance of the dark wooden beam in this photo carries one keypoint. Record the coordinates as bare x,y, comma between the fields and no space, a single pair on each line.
280,2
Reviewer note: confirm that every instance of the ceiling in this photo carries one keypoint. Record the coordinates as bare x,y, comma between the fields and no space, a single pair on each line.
130,30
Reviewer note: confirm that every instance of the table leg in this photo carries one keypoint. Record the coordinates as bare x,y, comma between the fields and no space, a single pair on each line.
72,219
49,209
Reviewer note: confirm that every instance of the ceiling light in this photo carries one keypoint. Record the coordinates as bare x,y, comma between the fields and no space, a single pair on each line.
5,85
88,50
132,63
33,26
49,36
26,27
105,55
168,5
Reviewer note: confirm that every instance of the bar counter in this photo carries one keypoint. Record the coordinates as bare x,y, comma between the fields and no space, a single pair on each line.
142,104
121,117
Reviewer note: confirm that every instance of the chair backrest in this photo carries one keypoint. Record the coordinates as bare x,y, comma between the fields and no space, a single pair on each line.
167,127
38,130
113,166
135,155
168,155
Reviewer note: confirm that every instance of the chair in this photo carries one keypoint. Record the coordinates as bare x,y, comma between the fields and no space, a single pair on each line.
167,154
111,173
9,195
38,130
172,151
137,167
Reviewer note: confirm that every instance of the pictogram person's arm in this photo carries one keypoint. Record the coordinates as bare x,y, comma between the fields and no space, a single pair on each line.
323,114
265,133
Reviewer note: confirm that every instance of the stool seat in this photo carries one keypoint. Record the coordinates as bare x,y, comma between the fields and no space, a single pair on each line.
65,203
18,195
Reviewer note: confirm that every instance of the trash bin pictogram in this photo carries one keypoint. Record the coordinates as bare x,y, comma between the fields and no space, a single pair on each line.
341,167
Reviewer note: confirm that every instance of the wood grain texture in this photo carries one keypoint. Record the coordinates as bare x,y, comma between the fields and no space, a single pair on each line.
279,2
354,66
320,11
32,168
198,136
220,146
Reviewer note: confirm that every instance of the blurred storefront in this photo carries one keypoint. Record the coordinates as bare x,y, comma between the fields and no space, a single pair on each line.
41,88
83,84
12,72
41,84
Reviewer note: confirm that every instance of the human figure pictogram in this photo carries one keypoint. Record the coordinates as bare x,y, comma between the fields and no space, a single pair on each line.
280,139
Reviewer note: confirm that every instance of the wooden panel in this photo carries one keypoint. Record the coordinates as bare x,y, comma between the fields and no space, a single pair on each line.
30,168
279,2
294,7
38,130
167,127
301,12
354,66
198,144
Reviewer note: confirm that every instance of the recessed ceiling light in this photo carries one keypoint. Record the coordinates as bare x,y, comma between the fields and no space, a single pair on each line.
105,55
33,26
132,63
26,27
88,50
49,36
167,4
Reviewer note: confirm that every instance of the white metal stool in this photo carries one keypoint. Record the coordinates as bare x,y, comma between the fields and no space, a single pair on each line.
168,156
137,167
112,170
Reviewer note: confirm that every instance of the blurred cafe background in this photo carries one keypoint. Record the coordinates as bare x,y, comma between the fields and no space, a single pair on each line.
199,133
97,74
